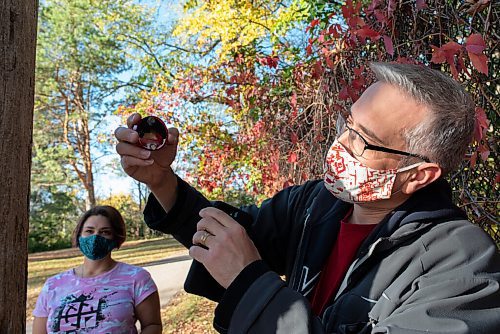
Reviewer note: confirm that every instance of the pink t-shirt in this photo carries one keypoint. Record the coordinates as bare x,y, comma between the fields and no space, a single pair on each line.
100,304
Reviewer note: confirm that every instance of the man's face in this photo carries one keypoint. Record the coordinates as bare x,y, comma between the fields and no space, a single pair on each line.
381,115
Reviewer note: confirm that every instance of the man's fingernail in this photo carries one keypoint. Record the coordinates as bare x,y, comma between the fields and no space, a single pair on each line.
145,154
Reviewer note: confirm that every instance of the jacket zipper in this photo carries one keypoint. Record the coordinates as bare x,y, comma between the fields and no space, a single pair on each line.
355,265
299,248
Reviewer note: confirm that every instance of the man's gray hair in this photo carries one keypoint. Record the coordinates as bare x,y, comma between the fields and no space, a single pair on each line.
446,132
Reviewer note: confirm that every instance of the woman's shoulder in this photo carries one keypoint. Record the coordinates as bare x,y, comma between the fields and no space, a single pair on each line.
60,278
129,269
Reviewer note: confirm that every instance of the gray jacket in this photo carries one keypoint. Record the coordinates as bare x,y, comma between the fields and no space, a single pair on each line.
424,269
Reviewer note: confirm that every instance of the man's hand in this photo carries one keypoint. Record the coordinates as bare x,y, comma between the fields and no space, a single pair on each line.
230,249
149,167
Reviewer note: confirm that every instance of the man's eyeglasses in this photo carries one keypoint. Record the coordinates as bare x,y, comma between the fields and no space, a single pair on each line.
359,145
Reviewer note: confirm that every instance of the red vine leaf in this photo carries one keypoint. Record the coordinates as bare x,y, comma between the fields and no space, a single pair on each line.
293,101
275,168
292,157
421,4
388,45
367,33
447,53
482,123
484,151
391,7
475,44
473,159
344,94
313,23
480,62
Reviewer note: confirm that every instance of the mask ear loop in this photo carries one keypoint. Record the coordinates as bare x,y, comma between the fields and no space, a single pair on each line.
404,169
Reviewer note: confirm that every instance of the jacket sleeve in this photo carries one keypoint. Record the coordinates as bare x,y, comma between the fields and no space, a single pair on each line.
458,292
181,220
259,301
270,227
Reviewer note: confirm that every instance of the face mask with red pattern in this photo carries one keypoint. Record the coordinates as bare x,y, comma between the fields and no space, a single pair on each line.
351,181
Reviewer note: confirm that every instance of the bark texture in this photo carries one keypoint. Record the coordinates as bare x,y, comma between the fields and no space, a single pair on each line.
18,21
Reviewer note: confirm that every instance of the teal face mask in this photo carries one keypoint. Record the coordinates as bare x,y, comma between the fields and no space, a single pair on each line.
96,247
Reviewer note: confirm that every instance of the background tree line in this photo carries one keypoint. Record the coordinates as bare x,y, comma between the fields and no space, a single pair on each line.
254,87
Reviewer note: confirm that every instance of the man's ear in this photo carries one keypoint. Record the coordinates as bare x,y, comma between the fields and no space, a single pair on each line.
422,176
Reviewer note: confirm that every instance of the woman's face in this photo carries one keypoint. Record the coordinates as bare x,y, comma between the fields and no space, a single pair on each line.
97,225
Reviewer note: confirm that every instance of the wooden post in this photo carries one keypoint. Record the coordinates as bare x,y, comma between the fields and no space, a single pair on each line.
18,21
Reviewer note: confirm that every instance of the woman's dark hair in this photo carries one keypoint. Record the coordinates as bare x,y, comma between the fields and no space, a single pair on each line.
115,220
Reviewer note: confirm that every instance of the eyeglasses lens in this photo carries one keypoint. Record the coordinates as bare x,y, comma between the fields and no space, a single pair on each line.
355,142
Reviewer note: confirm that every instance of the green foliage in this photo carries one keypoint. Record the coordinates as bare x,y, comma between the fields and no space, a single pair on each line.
132,214
83,48
52,221
86,52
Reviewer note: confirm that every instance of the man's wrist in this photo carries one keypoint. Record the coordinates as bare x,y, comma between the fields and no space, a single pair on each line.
165,190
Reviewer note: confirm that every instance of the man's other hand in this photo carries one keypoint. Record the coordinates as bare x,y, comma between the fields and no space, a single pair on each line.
227,247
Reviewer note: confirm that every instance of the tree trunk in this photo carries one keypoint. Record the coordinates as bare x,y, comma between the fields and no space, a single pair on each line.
18,19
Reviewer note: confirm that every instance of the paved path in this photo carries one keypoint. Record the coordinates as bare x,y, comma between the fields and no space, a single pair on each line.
169,275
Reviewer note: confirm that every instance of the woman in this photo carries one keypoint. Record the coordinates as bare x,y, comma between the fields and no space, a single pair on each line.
101,295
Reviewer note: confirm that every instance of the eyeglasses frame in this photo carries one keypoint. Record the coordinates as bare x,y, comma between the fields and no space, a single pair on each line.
369,146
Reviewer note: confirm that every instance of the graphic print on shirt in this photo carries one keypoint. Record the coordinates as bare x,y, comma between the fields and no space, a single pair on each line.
306,284
79,312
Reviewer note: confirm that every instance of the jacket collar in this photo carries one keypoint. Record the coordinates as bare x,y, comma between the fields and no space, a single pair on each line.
432,204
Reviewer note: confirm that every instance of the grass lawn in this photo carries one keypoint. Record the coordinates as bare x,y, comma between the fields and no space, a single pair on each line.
187,314
45,264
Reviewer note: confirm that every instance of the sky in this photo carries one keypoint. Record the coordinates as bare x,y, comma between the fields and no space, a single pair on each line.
113,180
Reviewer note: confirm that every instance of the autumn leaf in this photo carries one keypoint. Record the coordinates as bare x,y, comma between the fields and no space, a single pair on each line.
367,33
388,45
447,53
309,49
480,62
334,31
344,94
480,124
312,24
358,71
293,101
451,48
292,157
275,168
473,160
329,62
358,83
348,10
484,151
438,55
421,4
391,7
475,44
317,70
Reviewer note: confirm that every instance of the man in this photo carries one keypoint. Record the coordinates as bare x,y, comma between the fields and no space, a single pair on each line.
375,247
